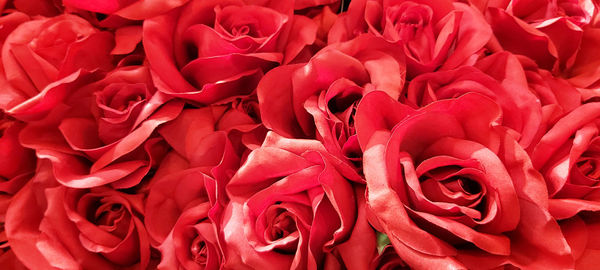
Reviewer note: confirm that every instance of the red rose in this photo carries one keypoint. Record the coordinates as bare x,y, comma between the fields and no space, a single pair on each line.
207,51
556,95
193,243
202,135
452,190
308,4
68,228
521,110
18,163
47,8
318,99
559,36
584,71
291,204
103,132
180,220
187,194
360,251
433,34
568,155
43,57
130,9
17,167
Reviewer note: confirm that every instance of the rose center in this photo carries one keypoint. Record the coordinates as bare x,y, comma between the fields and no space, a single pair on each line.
461,184
4,124
589,167
110,215
342,102
199,251
121,96
240,30
456,185
282,226
573,11
407,18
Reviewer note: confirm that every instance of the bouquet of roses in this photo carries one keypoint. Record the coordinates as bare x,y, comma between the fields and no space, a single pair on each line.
300,134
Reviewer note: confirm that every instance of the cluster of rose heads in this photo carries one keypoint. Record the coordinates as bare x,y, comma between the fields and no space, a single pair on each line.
299,134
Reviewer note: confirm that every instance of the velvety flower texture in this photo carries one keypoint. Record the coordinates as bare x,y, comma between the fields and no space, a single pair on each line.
42,58
319,98
499,77
568,155
432,34
130,9
18,166
206,51
299,134
559,36
291,212
103,133
452,190
98,228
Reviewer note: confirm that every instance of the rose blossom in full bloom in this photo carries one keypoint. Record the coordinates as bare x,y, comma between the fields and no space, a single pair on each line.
292,211
318,99
432,34
299,134
103,133
207,51
42,58
451,189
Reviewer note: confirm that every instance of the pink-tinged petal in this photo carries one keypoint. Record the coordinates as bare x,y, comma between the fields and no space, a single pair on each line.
239,253
126,39
207,42
550,251
169,197
341,196
80,56
144,9
585,71
494,244
22,227
226,68
512,34
567,208
256,172
191,124
274,98
473,34
38,106
390,210
561,131
501,185
296,146
166,113
360,248
73,171
158,35
302,33
577,235
558,30
130,9
98,6
377,111
553,249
